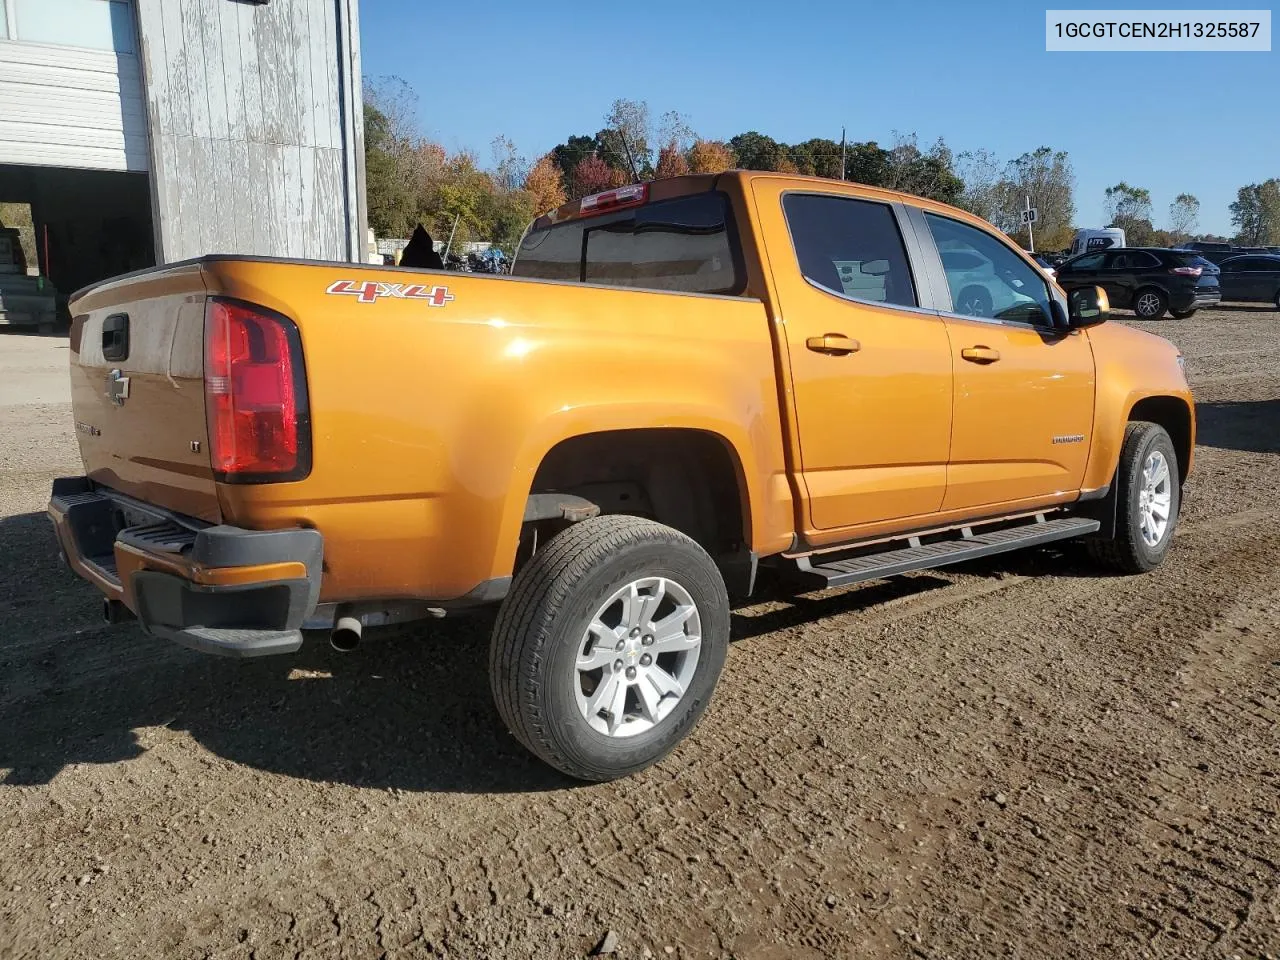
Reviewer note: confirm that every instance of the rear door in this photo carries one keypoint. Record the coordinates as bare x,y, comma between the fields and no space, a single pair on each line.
1249,278
1024,391
137,389
870,370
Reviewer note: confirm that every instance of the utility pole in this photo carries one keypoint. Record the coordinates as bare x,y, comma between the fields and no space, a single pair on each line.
842,153
1031,237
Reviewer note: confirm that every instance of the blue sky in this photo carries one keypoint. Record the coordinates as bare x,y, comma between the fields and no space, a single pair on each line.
974,73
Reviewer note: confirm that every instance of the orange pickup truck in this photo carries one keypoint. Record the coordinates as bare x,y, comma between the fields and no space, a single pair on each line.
683,382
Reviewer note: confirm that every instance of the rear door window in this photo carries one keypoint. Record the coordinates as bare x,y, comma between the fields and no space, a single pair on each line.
685,245
850,247
1090,261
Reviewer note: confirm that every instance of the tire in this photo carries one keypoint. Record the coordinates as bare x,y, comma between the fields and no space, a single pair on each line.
1132,550
542,641
974,301
1150,303
1181,314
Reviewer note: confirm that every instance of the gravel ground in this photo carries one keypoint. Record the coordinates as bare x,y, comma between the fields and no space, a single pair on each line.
1016,758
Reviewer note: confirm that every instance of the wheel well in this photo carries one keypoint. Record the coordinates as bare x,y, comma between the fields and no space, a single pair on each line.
1175,416
687,479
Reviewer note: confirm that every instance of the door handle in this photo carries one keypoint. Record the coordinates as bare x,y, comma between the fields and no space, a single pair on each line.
834,343
115,337
980,354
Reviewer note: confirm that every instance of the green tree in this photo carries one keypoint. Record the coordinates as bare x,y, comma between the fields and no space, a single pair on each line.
389,195
867,162
1256,213
1184,214
624,143
817,157
1046,177
1129,208
924,173
572,152
755,151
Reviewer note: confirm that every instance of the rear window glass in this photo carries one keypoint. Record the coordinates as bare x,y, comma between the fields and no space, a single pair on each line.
684,245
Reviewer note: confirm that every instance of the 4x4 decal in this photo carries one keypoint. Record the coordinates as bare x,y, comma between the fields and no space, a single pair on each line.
369,291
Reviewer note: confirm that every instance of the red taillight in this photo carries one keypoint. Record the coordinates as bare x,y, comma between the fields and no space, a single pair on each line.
1188,271
630,196
255,394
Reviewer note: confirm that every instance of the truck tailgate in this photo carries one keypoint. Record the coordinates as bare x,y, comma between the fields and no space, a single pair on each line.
137,389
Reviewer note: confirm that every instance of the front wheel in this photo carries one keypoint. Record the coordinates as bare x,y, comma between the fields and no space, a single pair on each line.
1149,494
607,649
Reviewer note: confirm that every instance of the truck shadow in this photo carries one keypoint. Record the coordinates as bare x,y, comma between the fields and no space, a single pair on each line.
1250,426
412,712
409,710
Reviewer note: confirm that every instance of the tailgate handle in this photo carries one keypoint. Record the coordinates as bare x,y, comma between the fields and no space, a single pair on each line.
115,337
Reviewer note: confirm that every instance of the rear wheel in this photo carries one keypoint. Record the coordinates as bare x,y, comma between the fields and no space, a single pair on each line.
1148,496
1181,314
607,650
1150,304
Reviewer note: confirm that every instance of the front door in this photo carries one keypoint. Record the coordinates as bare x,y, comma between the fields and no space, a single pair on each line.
1024,391
870,371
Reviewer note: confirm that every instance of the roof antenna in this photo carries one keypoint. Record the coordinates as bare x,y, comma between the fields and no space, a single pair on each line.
631,161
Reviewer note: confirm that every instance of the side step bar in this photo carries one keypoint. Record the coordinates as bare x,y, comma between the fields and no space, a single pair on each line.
966,545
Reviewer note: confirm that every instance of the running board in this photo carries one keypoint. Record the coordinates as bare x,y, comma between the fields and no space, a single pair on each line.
966,545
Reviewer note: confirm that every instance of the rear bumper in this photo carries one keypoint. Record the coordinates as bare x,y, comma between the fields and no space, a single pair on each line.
1194,299
218,589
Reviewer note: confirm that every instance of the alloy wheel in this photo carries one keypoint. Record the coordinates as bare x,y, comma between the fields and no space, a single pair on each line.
1155,499
638,656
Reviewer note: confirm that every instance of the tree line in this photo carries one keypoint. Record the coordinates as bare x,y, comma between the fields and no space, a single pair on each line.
412,180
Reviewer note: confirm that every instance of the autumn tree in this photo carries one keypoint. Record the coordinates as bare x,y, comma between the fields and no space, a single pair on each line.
545,185
671,162
593,175
572,152
710,156
1184,214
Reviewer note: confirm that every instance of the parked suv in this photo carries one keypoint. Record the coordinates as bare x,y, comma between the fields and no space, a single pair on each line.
1255,277
1150,281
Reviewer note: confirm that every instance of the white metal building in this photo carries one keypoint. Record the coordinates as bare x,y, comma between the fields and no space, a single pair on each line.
145,131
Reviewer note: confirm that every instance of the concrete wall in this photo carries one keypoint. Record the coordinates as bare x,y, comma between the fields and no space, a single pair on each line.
256,127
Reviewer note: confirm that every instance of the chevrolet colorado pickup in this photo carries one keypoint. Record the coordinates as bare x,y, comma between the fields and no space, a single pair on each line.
683,382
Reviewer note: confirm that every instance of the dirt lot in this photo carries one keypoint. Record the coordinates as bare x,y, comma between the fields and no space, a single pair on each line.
1014,759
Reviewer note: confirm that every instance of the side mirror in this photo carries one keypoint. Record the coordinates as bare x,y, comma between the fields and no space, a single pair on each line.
875,268
1089,307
